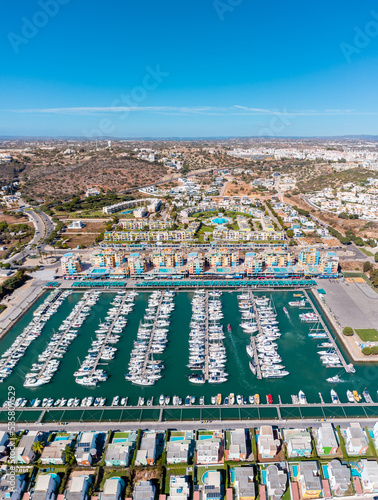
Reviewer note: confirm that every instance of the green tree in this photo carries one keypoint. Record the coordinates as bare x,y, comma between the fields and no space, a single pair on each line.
376,257
367,266
348,331
38,447
374,349
367,351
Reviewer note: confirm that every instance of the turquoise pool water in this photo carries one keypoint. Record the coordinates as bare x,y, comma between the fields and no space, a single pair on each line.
295,470
219,220
127,212
325,471
177,438
263,473
202,438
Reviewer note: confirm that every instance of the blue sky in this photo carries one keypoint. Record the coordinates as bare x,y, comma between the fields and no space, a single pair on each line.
201,68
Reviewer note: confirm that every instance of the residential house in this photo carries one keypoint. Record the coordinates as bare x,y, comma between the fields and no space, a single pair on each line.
46,487
144,490
244,483
356,442
113,489
339,477
78,489
209,451
179,488
10,490
309,480
298,442
86,448
276,480
238,446
24,453
178,451
326,440
146,455
120,451
267,443
212,489
53,453
369,475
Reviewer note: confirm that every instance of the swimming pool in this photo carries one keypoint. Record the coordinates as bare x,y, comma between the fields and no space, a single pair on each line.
325,471
295,470
177,438
219,220
207,436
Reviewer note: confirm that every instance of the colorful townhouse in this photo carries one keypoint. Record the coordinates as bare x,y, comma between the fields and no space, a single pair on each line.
298,442
326,441
338,477
356,442
71,264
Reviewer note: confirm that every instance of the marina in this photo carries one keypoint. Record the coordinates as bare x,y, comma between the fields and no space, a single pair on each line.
162,324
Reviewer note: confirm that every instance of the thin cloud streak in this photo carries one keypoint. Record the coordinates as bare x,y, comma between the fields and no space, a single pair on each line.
236,110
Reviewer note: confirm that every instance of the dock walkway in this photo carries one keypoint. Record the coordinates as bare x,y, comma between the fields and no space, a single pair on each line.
110,331
154,326
253,342
329,335
206,371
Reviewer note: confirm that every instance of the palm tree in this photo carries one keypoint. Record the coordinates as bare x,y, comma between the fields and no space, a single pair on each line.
38,447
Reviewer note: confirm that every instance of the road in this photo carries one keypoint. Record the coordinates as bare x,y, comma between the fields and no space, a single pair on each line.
185,425
43,228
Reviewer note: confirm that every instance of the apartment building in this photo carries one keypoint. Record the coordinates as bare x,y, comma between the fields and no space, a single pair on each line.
167,258
109,257
195,263
309,256
71,264
222,258
253,263
136,264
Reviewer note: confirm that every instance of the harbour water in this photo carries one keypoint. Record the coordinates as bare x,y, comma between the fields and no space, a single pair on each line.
298,352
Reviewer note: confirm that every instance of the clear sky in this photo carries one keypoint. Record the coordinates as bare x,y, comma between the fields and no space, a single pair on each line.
163,68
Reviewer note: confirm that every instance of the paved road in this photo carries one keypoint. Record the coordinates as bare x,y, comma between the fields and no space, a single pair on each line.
19,301
186,425
43,228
